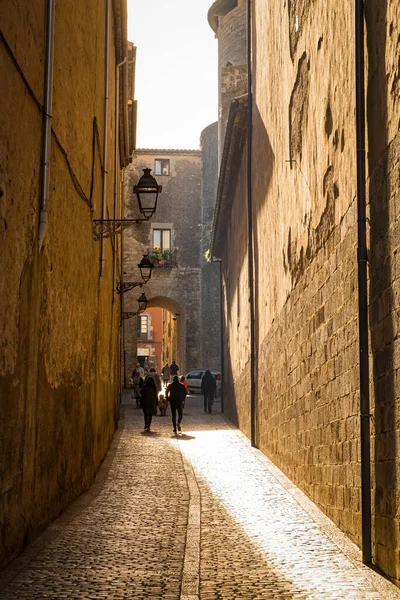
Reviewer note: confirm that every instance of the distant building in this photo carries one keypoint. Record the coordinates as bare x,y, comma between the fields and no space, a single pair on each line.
172,239
150,338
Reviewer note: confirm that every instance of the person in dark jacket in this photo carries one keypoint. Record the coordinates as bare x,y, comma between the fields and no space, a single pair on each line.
174,368
208,387
148,401
176,395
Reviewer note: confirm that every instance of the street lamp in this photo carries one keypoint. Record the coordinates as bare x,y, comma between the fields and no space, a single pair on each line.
147,191
142,307
145,267
142,302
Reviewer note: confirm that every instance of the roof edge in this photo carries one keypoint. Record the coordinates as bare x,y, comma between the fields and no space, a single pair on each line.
220,8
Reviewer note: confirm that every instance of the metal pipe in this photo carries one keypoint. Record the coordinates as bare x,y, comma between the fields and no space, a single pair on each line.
116,168
46,123
250,251
122,299
221,353
362,259
105,133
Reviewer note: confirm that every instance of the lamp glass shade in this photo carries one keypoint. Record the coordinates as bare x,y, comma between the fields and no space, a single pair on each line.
147,191
146,267
142,302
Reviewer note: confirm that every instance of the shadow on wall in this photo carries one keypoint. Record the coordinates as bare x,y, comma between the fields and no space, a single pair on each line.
381,291
261,182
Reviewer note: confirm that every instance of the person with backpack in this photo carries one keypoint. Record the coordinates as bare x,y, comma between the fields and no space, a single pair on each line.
176,394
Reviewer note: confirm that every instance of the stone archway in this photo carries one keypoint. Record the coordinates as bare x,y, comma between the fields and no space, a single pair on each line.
177,312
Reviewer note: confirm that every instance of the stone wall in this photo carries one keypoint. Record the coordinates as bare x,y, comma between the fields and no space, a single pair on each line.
59,321
176,288
232,52
305,260
210,276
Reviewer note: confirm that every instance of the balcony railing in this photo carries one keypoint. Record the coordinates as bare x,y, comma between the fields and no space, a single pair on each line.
163,258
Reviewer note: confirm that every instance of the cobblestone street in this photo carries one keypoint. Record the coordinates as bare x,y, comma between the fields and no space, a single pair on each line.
202,515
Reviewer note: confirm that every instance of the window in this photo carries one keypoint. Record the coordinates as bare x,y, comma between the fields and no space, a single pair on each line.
162,239
161,166
143,327
194,375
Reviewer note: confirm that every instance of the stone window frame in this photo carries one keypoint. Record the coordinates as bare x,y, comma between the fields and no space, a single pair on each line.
143,335
163,227
163,162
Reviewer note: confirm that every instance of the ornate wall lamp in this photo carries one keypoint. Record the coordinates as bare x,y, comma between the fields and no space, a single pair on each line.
147,191
146,267
142,307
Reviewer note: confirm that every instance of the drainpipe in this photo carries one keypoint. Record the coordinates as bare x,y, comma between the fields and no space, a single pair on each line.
105,133
221,329
46,123
362,259
116,167
221,352
250,230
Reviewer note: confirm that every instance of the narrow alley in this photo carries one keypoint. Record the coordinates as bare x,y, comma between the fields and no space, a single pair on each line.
202,515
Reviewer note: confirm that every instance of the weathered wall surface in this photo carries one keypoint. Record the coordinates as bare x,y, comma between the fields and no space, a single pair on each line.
175,288
305,232
383,110
210,277
59,356
232,66
307,401
236,325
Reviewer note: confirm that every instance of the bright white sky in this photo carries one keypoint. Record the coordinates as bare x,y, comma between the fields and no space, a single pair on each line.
176,71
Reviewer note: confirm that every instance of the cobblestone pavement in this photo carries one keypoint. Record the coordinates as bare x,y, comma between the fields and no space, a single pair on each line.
200,516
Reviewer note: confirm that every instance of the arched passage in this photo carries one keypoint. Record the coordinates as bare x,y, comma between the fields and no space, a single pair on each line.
174,334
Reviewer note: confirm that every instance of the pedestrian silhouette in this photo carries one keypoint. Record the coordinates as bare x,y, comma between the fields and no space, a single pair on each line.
176,395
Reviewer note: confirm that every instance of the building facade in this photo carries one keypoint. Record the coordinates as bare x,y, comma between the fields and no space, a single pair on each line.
302,176
60,161
150,338
172,241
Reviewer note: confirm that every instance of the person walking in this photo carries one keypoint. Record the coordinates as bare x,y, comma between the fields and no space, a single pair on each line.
174,369
166,374
157,380
148,402
208,387
176,395
137,382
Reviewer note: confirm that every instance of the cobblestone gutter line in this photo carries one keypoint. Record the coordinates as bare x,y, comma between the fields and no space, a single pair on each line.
191,565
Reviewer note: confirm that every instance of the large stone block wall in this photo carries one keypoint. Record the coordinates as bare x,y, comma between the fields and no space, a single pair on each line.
178,288
383,109
305,235
59,326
